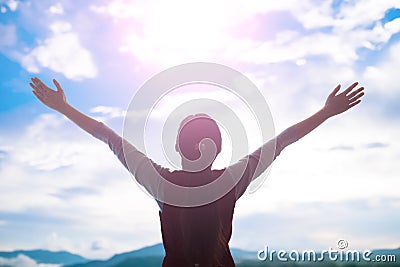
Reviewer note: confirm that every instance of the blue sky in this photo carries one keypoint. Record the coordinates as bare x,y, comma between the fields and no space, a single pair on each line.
61,189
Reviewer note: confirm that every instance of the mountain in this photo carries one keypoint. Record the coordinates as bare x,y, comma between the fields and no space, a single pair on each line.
45,256
240,254
154,254
151,256
146,256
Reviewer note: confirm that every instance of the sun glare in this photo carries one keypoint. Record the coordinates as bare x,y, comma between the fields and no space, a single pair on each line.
179,31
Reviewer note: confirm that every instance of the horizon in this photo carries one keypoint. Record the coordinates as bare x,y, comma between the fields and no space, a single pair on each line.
161,244
147,255
61,189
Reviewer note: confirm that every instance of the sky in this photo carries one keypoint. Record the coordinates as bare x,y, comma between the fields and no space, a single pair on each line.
61,189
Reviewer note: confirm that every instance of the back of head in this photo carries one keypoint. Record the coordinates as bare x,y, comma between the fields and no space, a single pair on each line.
194,135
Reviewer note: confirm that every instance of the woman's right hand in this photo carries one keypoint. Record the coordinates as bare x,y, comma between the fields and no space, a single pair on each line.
339,103
53,99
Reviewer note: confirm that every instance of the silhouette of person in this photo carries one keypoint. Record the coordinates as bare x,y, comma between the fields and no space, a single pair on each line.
197,236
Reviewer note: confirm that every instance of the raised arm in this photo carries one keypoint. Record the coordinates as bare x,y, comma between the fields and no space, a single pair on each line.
56,100
257,162
146,172
334,105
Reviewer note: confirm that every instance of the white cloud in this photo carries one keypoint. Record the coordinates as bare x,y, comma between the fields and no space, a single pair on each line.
50,156
118,9
348,16
362,13
23,261
12,5
314,15
319,225
56,9
62,52
383,77
60,27
382,33
8,35
141,9
393,26
107,113
291,46
339,44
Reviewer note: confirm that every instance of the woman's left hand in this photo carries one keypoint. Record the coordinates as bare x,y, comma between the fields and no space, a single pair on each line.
53,99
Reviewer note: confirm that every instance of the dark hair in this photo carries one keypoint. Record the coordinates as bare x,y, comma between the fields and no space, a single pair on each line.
192,130
201,227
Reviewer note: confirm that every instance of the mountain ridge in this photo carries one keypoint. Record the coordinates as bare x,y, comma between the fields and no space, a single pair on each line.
47,256
146,256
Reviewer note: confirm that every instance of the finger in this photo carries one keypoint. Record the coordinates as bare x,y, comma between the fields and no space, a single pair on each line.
44,87
36,80
39,97
355,92
38,90
356,97
39,93
38,84
58,86
355,103
351,87
33,81
334,92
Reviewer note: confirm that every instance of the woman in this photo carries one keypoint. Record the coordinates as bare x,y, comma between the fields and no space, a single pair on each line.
197,236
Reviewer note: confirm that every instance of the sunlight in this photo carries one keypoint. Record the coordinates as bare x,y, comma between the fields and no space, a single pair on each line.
172,32
177,31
